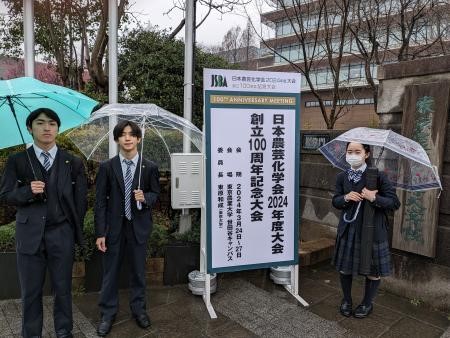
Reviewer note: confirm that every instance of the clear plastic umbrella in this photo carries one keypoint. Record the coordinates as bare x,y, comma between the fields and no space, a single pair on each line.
404,161
162,132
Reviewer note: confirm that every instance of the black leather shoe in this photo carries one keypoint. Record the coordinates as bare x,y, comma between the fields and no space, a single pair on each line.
64,335
104,326
142,320
362,311
346,308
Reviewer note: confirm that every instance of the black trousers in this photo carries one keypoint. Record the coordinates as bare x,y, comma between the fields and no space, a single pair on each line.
112,259
55,253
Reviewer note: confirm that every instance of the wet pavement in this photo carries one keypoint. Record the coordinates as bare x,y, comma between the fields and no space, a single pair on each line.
248,304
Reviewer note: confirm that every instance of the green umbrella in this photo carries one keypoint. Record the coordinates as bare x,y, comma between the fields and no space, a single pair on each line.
20,96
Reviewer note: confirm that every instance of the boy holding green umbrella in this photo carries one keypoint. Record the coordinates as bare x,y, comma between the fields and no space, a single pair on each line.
48,187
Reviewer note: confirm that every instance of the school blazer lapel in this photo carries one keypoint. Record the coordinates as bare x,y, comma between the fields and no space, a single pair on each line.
136,175
35,165
64,171
117,168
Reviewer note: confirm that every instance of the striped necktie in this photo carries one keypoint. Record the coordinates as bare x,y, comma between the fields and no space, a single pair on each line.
46,157
128,182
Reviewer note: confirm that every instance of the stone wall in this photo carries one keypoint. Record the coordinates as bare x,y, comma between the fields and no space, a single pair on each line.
317,181
416,276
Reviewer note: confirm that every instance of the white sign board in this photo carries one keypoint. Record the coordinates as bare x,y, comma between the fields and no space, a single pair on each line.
252,170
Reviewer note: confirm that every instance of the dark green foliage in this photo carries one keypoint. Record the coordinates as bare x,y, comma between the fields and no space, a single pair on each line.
151,68
158,239
156,149
192,236
92,91
4,153
85,253
7,237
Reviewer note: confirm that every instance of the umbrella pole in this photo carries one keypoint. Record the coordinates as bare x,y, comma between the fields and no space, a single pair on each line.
379,157
139,204
13,110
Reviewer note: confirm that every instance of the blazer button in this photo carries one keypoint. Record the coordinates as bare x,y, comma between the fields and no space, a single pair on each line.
43,217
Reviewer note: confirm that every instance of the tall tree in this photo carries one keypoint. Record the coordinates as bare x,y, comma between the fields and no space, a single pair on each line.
248,40
220,6
151,69
231,44
238,45
398,30
73,34
321,30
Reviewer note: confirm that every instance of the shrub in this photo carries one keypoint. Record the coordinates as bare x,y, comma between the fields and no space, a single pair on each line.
7,237
158,239
85,253
192,236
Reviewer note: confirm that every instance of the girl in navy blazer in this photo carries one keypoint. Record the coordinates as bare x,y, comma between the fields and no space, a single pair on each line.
350,196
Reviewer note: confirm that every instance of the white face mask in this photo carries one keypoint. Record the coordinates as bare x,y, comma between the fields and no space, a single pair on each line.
354,160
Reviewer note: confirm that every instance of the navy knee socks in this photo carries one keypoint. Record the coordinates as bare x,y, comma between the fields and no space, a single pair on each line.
346,284
371,287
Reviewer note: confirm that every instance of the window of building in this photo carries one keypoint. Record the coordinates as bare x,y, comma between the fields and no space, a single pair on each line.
346,102
294,54
321,77
355,71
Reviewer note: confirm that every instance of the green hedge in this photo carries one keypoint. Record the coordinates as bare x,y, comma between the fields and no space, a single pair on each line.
85,253
7,237
158,238
8,244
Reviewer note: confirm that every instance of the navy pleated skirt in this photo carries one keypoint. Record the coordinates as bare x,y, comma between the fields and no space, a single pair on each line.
347,251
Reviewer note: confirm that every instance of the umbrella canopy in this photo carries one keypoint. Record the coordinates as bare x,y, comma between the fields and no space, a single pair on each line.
163,134
25,94
403,160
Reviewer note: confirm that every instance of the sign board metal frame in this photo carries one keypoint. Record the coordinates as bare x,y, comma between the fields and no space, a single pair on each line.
282,99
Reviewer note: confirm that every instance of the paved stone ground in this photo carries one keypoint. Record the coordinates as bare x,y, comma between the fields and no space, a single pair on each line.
446,334
393,316
248,304
11,320
267,315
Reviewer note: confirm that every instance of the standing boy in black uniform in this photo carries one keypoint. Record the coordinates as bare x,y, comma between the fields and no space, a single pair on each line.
48,187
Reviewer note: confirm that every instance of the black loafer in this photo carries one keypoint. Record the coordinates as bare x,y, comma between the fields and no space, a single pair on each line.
64,335
142,320
362,311
346,308
104,326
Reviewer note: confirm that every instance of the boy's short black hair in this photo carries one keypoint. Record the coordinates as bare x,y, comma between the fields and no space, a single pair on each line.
118,129
47,112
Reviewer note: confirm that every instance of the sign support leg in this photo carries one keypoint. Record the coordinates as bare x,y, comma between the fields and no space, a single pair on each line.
293,287
203,255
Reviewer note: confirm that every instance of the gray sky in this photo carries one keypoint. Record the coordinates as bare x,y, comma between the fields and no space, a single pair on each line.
210,32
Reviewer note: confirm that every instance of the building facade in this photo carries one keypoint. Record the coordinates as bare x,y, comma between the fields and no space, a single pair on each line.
322,38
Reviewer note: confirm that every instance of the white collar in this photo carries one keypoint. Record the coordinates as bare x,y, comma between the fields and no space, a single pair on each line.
38,151
361,168
134,159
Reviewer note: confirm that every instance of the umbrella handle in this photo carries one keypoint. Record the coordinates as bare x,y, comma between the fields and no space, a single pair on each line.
138,205
354,216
